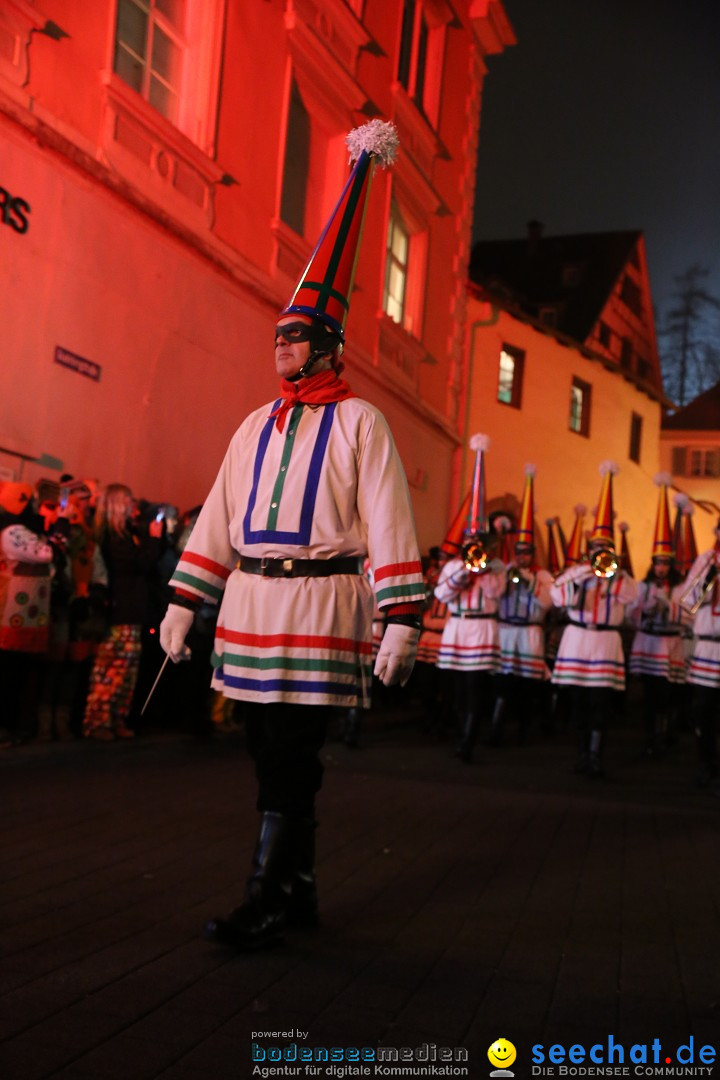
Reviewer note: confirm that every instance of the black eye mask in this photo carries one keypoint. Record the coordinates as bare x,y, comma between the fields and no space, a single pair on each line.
298,331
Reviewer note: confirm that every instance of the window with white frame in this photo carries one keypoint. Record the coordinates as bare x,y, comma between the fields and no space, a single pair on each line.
510,373
396,266
149,51
703,462
169,52
580,393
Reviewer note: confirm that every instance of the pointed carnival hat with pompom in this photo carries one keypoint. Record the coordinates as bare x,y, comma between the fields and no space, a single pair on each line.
477,521
452,543
575,552
323,291
526,525
625,561
603,531
684,533
662,541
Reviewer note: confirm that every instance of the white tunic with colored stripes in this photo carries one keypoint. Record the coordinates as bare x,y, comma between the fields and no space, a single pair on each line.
521,610
658,647
470,639
589,655
704,667
331,484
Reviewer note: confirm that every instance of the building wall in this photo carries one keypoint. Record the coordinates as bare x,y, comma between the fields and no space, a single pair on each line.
700,488
158,255
538,432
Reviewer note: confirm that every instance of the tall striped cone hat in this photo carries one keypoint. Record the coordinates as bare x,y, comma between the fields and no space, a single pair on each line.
526,526
603,531
554,547
503,527
575,549
477,518
325,285
662,541
452,543
624,560
684,533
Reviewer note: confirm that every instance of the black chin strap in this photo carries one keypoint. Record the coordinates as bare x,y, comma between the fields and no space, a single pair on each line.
307,367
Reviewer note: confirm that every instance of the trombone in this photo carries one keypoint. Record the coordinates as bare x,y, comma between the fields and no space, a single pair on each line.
708,583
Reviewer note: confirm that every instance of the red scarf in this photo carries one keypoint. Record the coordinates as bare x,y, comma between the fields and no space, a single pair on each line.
320,389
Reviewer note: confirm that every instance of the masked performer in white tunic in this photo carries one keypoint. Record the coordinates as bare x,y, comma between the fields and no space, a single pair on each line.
471,585
522,610
657,656
701,597
590,659
311,486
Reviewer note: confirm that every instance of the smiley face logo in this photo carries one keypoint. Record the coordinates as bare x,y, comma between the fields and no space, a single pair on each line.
502,1053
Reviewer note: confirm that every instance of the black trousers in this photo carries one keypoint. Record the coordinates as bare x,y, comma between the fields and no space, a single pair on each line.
705,709
285,741
592,708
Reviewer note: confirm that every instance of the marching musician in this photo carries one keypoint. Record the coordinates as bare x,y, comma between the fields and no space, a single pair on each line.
590,661
657,656
471,585
522,610
701,597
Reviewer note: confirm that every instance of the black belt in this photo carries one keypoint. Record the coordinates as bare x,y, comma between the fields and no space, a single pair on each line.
517,622
472,615
661,633
593,626
708,637
287,568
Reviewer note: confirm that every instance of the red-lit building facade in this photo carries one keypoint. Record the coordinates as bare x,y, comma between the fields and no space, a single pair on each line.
166,168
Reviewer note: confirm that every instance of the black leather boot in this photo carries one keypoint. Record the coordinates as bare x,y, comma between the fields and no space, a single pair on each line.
260,919
351,732
495,735
302,902
467,738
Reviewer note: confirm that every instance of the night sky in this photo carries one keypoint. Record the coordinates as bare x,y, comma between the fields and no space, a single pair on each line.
606,116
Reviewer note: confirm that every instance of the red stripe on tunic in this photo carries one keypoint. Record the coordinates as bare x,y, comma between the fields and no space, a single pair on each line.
205,564
395,569
294,641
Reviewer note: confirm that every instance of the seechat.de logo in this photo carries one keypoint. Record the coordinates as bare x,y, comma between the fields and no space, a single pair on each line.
501,1054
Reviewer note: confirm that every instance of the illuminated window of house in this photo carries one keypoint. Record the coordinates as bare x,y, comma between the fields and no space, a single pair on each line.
510,373
704,463
296,163
580,393
420,58
396,267
635,437
149,50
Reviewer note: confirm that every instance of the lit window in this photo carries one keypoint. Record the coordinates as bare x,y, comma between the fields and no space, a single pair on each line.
149,50
396,267
580,407
635,437
296,164
510,371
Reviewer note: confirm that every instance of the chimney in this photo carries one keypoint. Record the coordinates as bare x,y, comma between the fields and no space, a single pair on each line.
534,235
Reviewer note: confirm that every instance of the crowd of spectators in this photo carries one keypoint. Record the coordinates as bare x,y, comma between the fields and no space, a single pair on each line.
83,587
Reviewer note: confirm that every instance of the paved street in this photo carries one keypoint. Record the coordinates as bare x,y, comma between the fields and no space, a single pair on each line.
460,904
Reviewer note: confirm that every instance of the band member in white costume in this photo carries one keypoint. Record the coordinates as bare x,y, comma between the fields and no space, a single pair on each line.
521,615
590,659
657,656
311,485
471,585
701,596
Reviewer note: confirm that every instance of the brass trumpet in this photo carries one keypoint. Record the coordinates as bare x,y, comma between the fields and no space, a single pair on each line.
513,575
604,563
475,557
